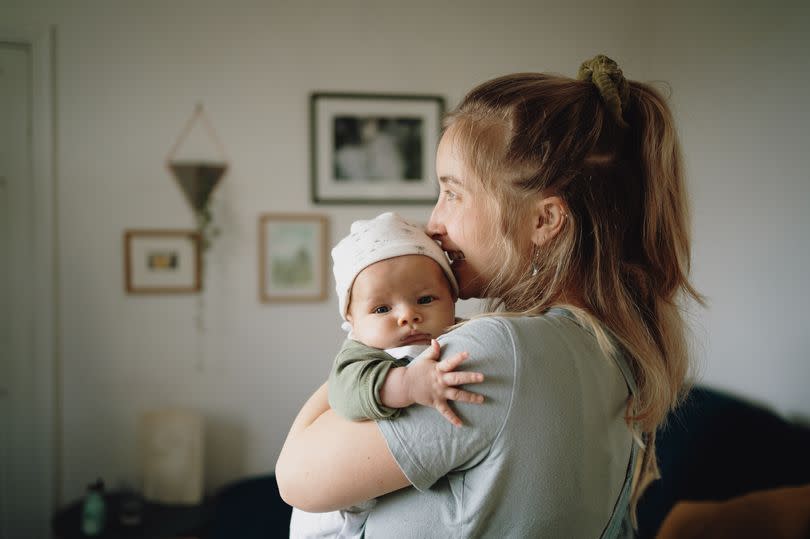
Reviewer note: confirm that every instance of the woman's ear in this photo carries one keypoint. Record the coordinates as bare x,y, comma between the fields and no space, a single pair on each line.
548,216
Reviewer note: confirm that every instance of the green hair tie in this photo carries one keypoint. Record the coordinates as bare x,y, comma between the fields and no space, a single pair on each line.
609,80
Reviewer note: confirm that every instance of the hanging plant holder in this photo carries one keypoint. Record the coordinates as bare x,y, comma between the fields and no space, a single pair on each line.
197,172
197,180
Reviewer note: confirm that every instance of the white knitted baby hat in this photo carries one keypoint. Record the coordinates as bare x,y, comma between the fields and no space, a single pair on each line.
386,236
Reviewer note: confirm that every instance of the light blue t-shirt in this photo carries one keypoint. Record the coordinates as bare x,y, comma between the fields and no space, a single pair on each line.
546,454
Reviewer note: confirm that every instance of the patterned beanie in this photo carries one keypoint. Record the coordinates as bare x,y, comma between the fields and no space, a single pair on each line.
386,236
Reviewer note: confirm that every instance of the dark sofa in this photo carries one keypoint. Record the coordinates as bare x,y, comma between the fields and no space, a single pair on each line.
715,446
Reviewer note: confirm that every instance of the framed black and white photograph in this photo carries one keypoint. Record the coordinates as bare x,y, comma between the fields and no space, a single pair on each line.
374,149
292,257
162,261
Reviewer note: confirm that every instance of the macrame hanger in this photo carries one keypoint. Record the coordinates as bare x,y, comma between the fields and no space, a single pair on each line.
198,114
198,177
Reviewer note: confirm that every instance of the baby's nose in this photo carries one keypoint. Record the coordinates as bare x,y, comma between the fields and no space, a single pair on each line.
409,315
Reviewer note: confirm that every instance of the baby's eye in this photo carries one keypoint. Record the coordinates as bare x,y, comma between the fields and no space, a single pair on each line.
382,309
424,300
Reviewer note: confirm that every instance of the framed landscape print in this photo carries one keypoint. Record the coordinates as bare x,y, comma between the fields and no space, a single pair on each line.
292,257
374,149
162,261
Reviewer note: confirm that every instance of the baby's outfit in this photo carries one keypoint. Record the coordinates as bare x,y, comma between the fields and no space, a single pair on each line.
350,523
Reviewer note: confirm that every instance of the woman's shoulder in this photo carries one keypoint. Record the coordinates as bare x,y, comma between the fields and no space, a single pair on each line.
499,337
483,329
501,327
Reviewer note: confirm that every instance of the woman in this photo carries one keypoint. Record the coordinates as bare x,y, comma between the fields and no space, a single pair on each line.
562,202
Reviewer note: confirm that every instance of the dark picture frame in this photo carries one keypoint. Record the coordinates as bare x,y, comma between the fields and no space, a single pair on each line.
374,148
159,261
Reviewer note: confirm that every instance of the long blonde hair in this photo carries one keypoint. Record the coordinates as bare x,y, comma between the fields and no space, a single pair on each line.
609,149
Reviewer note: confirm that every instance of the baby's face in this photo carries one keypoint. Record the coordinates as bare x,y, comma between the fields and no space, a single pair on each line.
399,301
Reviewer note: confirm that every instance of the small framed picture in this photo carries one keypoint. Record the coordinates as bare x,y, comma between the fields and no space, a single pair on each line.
292,257
162,261
374,149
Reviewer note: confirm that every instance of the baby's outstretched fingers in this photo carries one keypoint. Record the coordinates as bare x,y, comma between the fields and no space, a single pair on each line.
451,363
448,413
459,378
432,352
460,395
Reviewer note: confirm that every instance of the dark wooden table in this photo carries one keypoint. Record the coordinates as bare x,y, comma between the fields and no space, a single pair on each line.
157,521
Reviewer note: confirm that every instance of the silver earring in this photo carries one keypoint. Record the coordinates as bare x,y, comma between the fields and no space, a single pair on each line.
535,265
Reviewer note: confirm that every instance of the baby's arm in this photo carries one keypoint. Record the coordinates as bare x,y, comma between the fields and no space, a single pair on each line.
430,382
368,383
355,382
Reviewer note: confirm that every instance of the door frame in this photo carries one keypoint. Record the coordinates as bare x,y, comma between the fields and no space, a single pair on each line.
41,42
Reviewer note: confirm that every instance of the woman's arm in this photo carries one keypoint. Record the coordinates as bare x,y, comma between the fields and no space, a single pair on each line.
329,463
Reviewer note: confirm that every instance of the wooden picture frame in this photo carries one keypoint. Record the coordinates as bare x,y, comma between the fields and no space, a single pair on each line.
293,254
162,261
374,148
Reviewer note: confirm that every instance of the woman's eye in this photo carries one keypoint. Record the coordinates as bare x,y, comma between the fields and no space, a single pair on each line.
424,300
449,195
381,309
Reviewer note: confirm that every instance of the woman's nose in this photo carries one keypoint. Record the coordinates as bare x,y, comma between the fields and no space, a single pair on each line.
434,228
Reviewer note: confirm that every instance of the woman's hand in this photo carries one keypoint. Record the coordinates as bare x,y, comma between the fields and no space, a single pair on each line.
430,382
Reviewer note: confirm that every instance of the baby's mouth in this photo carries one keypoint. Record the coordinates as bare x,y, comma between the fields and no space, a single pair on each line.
415,337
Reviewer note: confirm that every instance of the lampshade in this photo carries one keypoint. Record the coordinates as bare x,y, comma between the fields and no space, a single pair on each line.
171,454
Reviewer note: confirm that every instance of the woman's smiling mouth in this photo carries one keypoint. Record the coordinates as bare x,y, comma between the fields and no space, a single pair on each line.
455,256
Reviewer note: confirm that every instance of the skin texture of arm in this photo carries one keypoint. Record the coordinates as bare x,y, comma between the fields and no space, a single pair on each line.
328,463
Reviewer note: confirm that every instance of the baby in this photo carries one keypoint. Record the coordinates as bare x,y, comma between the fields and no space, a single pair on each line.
396,293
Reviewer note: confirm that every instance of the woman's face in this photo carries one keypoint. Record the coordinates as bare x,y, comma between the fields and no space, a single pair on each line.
461,221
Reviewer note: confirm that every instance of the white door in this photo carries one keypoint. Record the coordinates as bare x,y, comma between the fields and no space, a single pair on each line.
25,488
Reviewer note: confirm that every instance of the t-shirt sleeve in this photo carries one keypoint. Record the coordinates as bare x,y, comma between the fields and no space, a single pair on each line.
424,444
357,376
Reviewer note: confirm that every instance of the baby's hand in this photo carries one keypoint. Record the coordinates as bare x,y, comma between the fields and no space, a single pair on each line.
433,383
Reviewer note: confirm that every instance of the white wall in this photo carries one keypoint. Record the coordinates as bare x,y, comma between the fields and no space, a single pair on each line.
129,74
740,80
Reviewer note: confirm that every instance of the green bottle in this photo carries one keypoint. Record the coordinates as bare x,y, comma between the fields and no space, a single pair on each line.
94,510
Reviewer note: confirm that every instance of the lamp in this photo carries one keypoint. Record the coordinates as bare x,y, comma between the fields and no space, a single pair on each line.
171,455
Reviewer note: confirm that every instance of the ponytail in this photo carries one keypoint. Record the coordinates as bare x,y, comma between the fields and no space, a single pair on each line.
609,148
